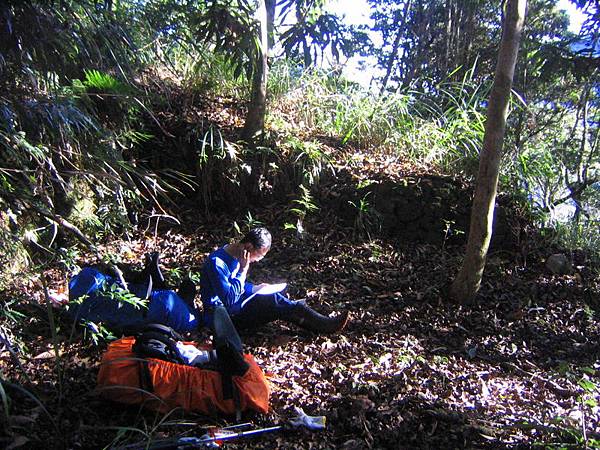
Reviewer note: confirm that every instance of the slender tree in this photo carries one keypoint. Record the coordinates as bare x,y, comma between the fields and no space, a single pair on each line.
467,282
255,120
400,23
243,30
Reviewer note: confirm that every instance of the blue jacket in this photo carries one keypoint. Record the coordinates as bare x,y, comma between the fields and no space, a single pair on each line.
164,306
222,284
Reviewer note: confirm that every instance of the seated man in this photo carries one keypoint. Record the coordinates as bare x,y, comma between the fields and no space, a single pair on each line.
165,306
223,283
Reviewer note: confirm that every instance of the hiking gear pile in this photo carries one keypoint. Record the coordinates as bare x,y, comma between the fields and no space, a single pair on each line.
149,369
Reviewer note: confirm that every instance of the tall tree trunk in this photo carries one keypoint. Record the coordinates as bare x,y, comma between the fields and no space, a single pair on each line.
467,282
395,46
457,35
449,34
581,168
468,36
270,6
255,120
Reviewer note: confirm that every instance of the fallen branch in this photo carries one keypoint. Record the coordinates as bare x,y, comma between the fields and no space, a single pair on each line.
555,387
79,235
53,218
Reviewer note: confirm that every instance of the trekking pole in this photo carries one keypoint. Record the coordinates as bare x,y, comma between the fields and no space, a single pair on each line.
216,436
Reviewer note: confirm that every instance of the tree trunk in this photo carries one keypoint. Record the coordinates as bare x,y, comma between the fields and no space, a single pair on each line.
449,29
255,120
395,46
581,168
467,282
270,6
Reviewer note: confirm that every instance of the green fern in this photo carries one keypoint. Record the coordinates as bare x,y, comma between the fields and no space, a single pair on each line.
104,83
305,203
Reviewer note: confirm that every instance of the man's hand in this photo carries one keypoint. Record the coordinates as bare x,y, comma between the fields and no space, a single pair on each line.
245,261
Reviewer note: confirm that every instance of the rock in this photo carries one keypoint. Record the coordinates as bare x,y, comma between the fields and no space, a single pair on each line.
559,264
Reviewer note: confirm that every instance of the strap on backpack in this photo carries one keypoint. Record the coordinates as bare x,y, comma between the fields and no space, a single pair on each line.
145,377
164,329
158,341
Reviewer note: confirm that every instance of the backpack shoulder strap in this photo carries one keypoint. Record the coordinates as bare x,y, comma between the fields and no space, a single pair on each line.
157,344
164,329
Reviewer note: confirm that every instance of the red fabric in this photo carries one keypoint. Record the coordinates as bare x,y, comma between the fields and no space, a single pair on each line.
177,385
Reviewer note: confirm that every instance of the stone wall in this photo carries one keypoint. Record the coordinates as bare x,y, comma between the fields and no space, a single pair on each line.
428,209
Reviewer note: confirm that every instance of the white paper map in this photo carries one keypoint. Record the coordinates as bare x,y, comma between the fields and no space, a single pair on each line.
270,289
267,289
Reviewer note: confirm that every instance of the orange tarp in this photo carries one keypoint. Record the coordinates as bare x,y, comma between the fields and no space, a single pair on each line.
176,385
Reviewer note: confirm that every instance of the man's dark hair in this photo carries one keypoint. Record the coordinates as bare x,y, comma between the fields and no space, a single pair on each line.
259,237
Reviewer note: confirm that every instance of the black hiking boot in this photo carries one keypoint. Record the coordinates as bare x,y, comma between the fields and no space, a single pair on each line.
307,318
152,268
187,291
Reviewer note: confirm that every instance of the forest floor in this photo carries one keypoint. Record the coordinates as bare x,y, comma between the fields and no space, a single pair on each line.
518,368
